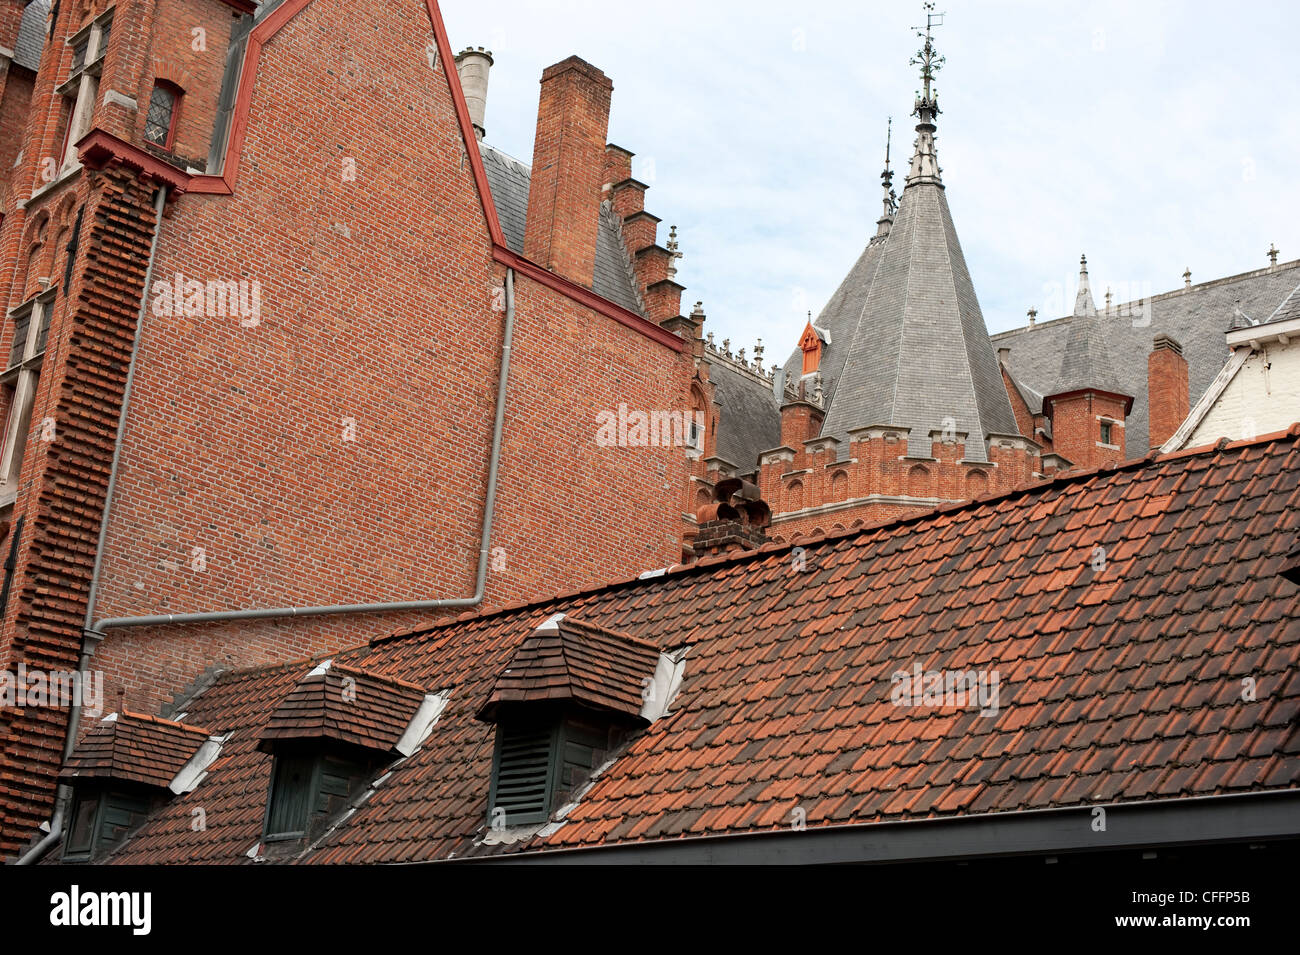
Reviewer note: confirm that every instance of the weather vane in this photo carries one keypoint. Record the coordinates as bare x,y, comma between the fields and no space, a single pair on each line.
929,61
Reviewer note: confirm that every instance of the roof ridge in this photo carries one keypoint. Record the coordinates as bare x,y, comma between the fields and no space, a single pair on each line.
1060,478
1172,293
137,715
377,675
576,621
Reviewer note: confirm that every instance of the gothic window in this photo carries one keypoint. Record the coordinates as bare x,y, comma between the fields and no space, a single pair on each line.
160,124
80,89
31,323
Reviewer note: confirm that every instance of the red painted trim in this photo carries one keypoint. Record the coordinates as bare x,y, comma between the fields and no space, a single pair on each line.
97,147
466,126
588,298
225,183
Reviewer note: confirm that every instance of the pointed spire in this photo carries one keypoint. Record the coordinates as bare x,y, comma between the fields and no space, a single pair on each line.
1083,304
925,160
890,198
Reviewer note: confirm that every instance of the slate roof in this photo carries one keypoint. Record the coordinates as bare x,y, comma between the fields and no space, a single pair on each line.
575,662
134,747
31,35
749,419
1197,318
1086,361
347,705
1121,684
840,317
508,180
1289,309
920,352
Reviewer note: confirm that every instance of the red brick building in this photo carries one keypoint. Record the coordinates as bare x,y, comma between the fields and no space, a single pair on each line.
257,311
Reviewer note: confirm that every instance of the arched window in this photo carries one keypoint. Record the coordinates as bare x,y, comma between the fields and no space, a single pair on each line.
164,107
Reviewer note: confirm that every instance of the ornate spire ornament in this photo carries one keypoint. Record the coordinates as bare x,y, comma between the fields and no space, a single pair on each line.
925,161
673,253
1083,304
890,198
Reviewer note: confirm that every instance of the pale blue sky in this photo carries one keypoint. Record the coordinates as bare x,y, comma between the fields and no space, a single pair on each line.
1152,136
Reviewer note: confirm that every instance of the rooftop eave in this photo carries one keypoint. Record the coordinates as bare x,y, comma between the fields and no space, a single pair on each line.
1257,335
1050,399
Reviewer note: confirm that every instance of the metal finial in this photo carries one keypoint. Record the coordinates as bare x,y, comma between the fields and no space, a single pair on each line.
1187,277
1033,314
1083,263
1272,254
930,62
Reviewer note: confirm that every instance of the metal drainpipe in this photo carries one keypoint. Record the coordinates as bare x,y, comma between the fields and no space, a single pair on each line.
94,631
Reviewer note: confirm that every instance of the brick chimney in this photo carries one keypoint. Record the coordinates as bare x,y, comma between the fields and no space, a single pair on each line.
1166,389
568,169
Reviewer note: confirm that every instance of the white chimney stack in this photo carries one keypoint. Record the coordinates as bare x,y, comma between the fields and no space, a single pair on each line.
472,65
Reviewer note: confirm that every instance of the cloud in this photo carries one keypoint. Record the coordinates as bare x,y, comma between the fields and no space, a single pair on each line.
1154,137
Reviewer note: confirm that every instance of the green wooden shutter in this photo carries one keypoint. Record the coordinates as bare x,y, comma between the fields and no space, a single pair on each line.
291,795
523,775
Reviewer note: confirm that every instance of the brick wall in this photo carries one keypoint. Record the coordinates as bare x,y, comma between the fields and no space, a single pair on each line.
1076,428
332,446
15,102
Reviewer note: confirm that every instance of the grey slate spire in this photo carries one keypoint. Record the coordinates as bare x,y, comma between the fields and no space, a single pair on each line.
1086,361
1083,304
918,353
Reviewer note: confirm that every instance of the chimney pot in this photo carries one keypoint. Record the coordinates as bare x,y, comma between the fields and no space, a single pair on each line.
472,66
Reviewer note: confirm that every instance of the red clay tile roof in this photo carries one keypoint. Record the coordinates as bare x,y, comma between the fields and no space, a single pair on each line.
345,704
575,661
135,748
1121,674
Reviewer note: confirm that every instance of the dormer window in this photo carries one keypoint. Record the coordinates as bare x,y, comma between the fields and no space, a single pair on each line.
310,787
572,694
332,733
124,767
160,123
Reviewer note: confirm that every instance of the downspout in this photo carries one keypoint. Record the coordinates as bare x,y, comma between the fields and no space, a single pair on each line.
94,632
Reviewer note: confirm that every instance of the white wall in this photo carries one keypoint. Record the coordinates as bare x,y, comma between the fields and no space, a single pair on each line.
1263,396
